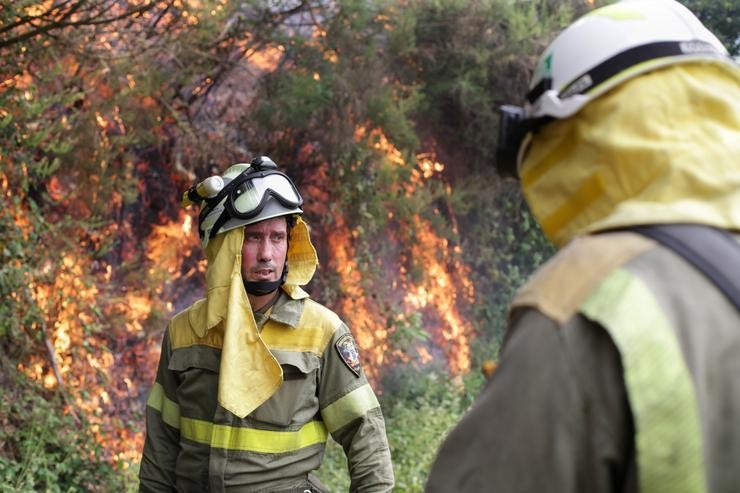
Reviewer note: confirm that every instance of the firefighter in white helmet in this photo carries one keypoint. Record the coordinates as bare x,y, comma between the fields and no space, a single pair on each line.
620,367
254,377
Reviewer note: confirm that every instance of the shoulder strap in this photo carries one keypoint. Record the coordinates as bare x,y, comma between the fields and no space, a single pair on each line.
711,250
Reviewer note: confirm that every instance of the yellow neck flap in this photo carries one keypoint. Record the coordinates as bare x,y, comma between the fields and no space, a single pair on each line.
249,373
661,148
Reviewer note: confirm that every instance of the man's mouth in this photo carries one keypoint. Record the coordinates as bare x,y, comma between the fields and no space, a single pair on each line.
263,274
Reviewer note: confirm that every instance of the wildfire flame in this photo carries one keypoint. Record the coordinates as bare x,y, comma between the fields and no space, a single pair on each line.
84,361
446,282
444,287
104,374
364,316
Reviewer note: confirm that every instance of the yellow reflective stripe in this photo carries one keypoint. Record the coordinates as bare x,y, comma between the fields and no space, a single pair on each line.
251,440
660,389
351,406
196,430
169,410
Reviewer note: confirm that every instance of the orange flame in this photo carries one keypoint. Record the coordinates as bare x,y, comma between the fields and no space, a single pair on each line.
266,59
83,357
170,243
446,281
371,336
102,371
444,286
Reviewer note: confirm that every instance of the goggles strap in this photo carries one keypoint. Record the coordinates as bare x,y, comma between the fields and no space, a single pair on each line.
222,218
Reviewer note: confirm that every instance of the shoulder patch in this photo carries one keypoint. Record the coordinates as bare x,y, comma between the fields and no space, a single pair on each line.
347,350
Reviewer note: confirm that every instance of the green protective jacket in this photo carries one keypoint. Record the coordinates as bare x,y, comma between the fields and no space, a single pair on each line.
194,445
619,372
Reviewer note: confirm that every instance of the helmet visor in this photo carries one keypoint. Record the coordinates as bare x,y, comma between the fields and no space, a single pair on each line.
252,190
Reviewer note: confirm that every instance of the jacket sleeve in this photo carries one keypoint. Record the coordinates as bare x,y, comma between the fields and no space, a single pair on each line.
161,446
353,416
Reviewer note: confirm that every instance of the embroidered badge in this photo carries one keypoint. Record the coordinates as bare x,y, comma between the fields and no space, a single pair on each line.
347,350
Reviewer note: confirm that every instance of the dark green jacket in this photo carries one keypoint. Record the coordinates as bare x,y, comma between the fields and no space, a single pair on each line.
194,445
620,372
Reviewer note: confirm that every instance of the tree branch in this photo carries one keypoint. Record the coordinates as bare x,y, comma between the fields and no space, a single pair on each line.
60,23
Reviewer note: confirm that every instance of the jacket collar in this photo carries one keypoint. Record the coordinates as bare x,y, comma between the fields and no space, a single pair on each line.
286,310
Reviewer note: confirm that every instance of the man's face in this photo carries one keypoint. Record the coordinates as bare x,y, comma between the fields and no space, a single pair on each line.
264,250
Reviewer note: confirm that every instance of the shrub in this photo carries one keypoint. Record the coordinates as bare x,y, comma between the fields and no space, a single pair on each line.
416,424
44,449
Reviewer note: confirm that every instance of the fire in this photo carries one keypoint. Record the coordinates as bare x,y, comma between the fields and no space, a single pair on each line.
447,283
79,359
56,189
443,288
170,243
139,307
371,336
266,59
98,353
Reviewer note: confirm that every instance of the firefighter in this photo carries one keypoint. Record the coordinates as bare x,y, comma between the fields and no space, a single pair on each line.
620,366
254,377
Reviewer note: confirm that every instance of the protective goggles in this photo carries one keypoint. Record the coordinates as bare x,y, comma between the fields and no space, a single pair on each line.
247,194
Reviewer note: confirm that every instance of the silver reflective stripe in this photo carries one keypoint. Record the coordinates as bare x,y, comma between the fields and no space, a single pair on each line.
350,407
169,410
661,393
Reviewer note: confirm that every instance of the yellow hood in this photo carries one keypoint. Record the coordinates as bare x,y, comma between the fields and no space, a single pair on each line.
661,148
249,373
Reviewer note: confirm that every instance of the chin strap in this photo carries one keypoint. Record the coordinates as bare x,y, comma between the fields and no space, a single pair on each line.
261,288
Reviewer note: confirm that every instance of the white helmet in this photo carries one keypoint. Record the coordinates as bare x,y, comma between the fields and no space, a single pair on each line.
246,194
601,50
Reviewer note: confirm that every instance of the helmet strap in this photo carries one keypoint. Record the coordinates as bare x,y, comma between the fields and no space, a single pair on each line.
261,288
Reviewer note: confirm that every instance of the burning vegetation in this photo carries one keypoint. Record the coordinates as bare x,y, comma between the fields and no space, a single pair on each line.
429,284
101,332
109,110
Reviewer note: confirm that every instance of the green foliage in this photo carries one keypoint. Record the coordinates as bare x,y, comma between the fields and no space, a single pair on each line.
504,246
419,412
470,57
18,311
45,450
722,17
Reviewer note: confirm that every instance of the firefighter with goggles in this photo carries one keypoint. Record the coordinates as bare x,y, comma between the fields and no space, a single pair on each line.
620,367
254,377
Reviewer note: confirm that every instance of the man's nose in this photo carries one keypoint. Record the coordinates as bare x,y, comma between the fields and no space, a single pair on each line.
265,250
